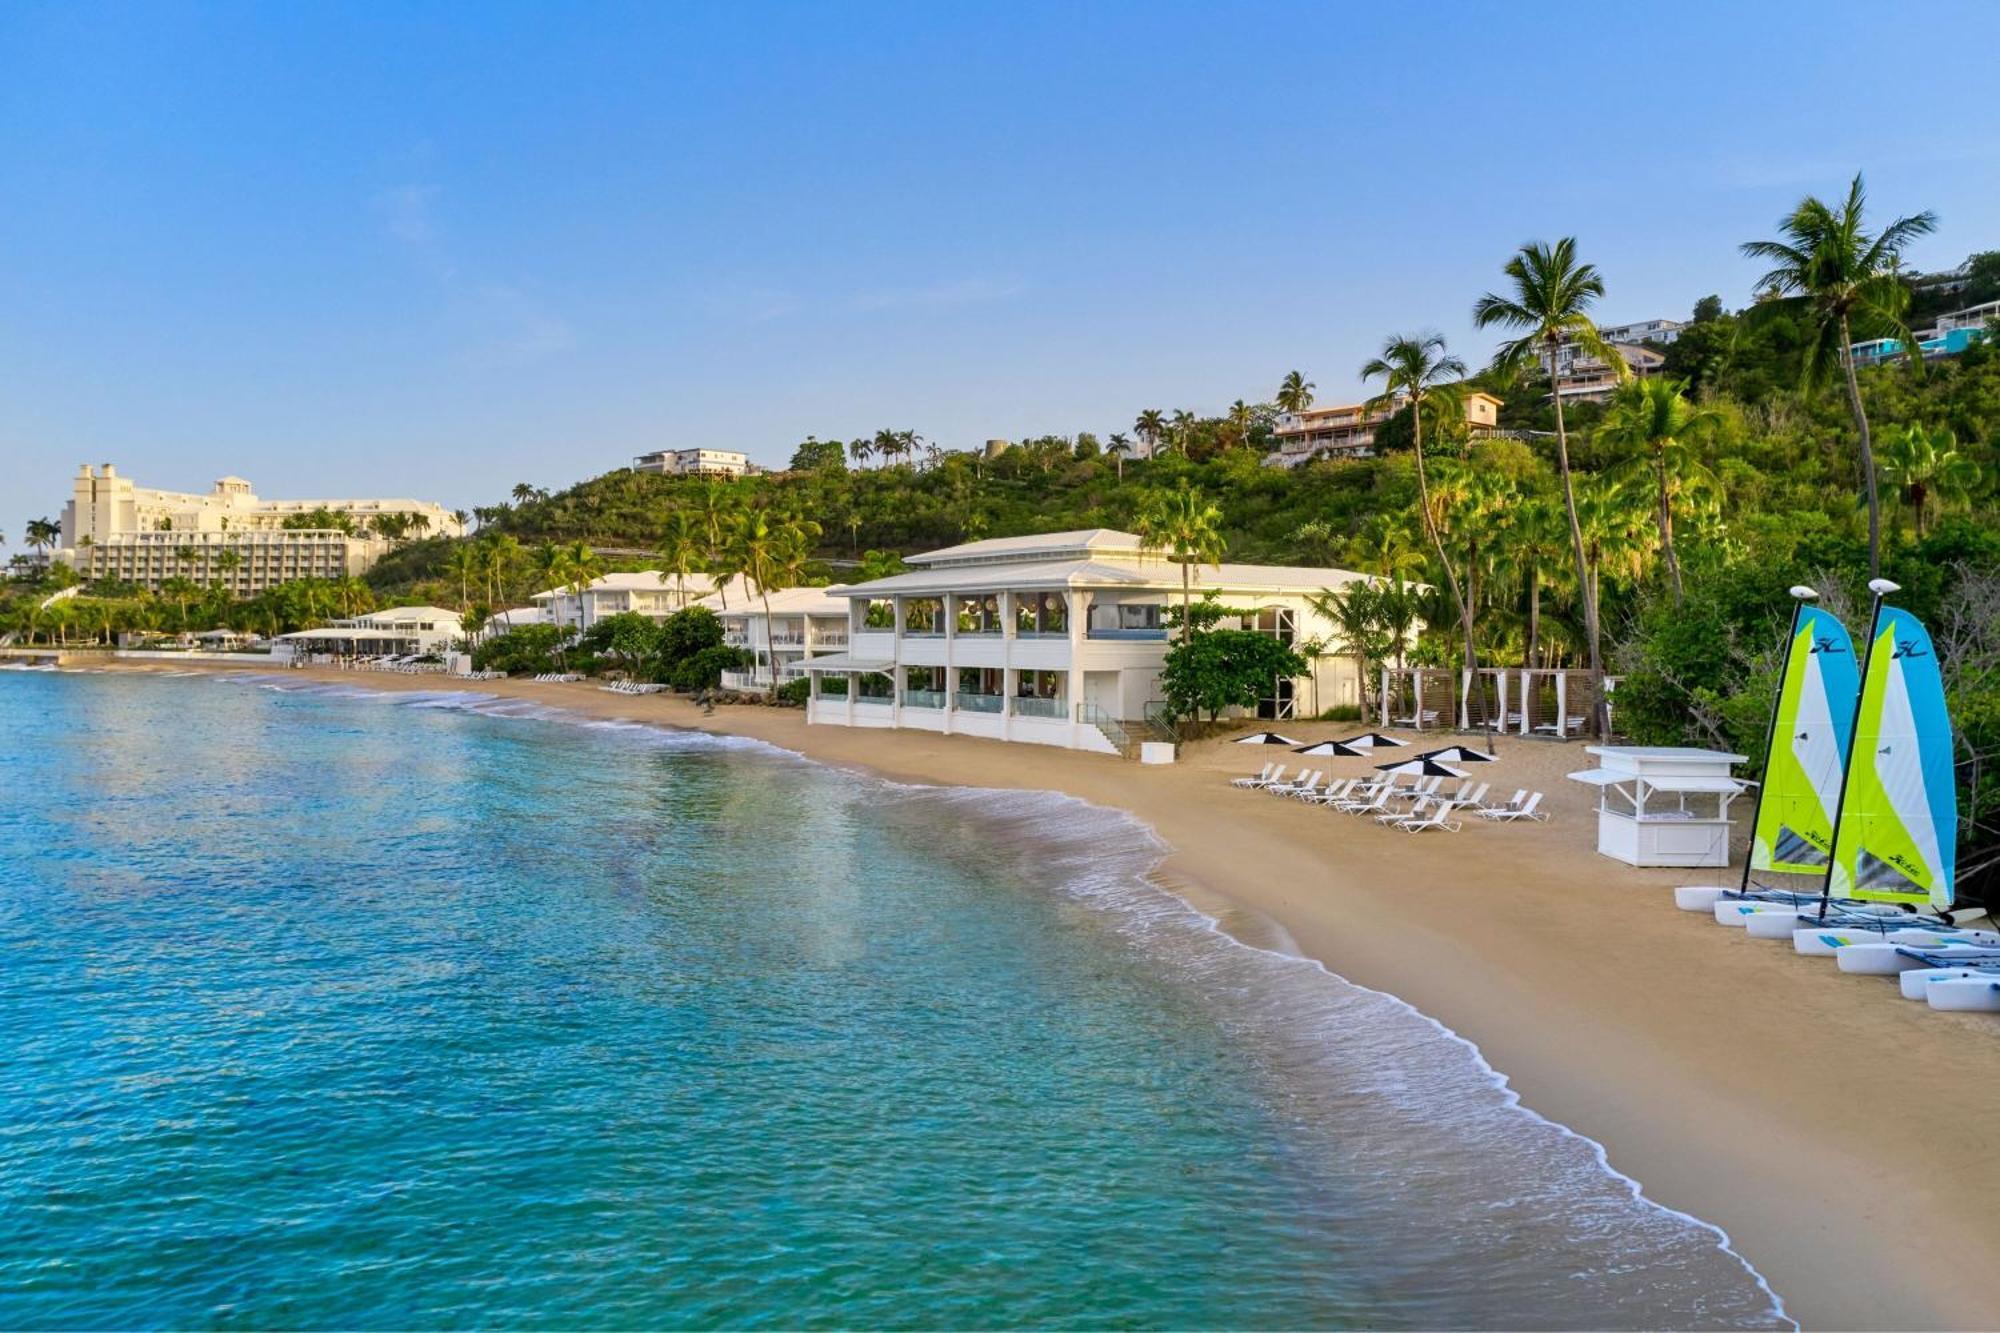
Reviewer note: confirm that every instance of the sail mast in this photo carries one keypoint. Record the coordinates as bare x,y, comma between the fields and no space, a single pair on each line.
1880,588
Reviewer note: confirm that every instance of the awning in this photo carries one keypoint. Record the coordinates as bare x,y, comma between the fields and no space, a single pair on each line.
1679,784
845,662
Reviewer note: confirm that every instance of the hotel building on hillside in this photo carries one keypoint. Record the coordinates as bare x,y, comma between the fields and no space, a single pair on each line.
801,623
646,591
1056,639
695,463
115,529
1349,431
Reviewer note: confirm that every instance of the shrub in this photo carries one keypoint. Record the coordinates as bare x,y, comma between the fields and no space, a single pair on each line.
794,693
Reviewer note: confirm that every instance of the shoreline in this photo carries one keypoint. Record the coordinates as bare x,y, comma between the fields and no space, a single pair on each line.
1847,1170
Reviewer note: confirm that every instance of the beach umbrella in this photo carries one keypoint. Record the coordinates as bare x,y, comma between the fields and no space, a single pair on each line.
1265,738
1459,754
1372,741
1340,748
1421,768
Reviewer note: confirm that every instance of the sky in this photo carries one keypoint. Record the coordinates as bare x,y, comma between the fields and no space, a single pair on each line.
433,250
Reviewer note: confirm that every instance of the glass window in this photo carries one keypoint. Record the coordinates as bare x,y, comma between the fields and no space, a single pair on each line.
923,615
979,615
1039,684
878,613
1055,613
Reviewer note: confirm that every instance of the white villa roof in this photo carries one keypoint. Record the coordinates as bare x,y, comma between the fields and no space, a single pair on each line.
652,580
1076,541
827,601
398,614
1151,573
845,662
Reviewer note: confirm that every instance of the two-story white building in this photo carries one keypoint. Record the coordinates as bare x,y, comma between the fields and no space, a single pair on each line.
646,591
394,630
1057,639
801,623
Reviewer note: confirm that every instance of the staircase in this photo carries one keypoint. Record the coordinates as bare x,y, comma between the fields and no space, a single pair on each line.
1110,728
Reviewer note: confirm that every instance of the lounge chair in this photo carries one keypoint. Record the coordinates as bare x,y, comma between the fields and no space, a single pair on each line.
1438,818
1571,725
1391,815
1306,782
1530,809
1333,791
1259,778
1366,806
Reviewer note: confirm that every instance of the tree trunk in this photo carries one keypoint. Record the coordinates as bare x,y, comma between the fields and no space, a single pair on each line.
1600,718
1430,527
1867,451
1667,533
770,642
1534,614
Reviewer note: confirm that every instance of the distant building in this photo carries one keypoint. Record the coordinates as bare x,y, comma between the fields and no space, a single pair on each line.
1349,431
1952,334
115,529
1583,378
1662,331
695,463
396,632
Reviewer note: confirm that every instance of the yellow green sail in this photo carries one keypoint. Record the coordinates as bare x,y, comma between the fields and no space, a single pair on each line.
1897,837
1809,737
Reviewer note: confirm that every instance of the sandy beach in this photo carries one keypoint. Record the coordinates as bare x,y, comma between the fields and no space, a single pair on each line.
1840,1135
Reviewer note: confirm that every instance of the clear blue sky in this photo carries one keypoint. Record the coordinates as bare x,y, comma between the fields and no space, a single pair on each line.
436,249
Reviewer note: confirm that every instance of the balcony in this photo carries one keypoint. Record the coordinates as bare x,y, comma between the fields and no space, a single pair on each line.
1025,706
923,698
978,703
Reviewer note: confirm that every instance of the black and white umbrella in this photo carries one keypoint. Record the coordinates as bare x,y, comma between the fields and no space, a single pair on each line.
1421,768
1459,754
1339,748
1373,740
1265,738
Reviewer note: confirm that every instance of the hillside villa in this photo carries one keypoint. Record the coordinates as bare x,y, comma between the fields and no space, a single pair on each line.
1056,639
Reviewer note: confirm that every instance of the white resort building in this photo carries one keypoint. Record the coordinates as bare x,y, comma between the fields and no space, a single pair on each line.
113,528
802,623
645,591
695,463
397,631
1056,639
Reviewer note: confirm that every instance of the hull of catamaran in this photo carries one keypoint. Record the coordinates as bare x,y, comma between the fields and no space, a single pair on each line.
1965,995
1889,957
1826,941
1916,982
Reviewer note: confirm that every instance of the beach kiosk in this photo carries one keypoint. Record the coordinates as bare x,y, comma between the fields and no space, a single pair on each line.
1663,805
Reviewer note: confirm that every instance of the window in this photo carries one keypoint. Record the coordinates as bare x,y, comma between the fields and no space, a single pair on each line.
1281,622
979,614
923,615
878,613
1039,685
1044,613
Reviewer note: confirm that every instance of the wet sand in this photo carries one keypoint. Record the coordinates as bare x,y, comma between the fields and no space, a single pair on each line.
1842,1136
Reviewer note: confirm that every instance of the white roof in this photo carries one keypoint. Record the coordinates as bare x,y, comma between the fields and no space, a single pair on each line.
1164,575
1013,548
397,614
652,580
845,662
827,601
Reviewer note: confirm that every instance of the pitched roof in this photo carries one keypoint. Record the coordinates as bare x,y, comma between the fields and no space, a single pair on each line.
1052,543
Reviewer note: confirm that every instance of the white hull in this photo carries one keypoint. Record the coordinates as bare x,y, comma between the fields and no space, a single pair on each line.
1698,897
1966,995
1917,981
1887,958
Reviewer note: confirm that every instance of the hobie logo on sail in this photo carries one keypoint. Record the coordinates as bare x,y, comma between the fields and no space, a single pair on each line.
1907,648
1825,644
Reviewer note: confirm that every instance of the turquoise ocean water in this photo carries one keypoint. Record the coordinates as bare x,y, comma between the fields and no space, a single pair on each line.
331,1008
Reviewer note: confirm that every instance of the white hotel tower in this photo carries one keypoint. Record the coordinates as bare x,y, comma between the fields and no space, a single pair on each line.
114,529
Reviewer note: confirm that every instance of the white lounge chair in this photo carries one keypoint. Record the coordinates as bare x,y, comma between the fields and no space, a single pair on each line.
1391,815
1305,782
1334,791
1263,775
1366,805
1529,809
1438,818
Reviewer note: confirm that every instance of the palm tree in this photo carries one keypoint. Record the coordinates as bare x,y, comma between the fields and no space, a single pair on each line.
1927,470
1295,393
182,591
765,551
43,533
1180,430
463,564
1184,526
1615,537
1538,548
522,492
228,561
1417,367
1355,613
1829,266
1241,418
860,451
681,552
576,567
1119,447
1550,306
1654,422
1149,425
716,511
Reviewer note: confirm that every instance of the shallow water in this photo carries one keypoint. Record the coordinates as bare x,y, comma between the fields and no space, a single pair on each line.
334,1008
